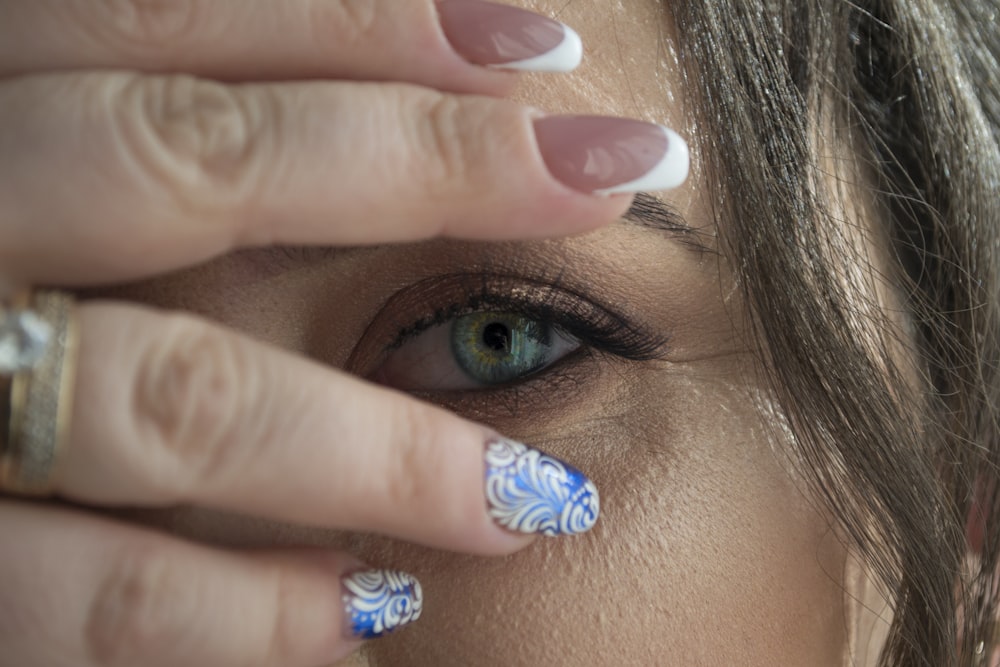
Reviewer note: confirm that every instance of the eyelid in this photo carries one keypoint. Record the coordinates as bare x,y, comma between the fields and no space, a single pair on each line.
411,311
577,315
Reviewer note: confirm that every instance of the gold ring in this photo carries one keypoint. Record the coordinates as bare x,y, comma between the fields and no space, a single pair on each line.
37,362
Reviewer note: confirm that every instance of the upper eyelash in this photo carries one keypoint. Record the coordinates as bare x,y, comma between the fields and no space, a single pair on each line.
593,325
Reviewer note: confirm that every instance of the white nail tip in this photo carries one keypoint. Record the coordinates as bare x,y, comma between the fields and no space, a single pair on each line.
565,57
669,172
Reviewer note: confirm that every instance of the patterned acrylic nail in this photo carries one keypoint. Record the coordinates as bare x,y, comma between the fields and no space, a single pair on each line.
377,602
530,492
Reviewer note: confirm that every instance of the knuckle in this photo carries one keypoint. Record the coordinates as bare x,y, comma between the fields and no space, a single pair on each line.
195,139
446,135
411,466
189,400
350,22
138,609
147,26
284,635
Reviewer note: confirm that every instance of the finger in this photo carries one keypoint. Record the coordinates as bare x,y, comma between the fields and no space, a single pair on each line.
154,173
76,591
172,410
288,39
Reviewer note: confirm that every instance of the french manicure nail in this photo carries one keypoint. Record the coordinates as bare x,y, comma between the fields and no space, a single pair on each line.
531,492
605,156
377,602
504,37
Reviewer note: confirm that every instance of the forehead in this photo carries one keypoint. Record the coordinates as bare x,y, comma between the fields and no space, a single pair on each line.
630,68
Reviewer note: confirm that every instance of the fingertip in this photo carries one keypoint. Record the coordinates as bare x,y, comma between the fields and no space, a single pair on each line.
367,603
498,541
558,211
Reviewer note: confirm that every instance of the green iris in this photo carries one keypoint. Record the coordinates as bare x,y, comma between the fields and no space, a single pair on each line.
494,348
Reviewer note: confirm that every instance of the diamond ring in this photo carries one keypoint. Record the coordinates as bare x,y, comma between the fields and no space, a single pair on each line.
37,355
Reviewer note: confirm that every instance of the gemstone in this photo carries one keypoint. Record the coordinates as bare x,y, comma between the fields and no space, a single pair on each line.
24,338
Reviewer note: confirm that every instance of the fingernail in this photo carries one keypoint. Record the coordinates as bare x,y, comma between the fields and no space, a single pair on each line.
531,492
377,602
605,156
485,33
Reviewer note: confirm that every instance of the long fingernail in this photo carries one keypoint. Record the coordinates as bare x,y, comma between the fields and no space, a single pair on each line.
377,602
604,156
485,33
530,492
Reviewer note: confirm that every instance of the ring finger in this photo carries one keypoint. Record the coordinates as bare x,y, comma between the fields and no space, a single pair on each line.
113,594
172,410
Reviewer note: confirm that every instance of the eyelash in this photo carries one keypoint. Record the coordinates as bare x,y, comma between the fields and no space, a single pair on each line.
596,327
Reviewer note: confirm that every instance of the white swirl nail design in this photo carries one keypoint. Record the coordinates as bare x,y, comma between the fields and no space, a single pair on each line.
530,492
379,601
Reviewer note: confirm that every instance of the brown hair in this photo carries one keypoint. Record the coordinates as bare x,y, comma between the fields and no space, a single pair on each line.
903,449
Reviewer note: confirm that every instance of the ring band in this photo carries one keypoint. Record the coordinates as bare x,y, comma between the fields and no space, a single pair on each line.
36,396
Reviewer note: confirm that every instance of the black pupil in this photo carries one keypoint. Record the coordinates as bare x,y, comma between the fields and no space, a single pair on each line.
496,336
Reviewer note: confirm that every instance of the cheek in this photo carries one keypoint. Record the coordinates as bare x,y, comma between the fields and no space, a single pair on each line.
706,553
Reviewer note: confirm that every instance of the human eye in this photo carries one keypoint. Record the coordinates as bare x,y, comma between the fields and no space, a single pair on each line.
477,350
495,333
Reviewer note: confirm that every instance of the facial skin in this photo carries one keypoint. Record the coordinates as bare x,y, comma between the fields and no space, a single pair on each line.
708,551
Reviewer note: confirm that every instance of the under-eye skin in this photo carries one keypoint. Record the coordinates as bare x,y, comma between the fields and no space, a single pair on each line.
490,334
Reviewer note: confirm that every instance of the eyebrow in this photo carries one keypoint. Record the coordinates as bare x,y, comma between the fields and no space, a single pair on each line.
649,212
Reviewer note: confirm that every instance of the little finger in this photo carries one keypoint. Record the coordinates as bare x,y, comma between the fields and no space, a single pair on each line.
80,591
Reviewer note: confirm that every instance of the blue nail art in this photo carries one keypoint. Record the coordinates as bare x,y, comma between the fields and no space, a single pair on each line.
379,601
531,492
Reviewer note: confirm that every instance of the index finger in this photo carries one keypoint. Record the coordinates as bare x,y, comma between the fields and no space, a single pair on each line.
444,44
115,176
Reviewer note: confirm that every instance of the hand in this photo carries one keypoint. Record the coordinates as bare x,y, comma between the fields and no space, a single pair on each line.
134,140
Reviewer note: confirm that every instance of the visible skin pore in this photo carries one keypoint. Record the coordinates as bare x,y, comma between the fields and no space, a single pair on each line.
708,550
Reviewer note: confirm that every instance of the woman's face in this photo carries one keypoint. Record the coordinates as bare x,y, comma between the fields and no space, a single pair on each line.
708,550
